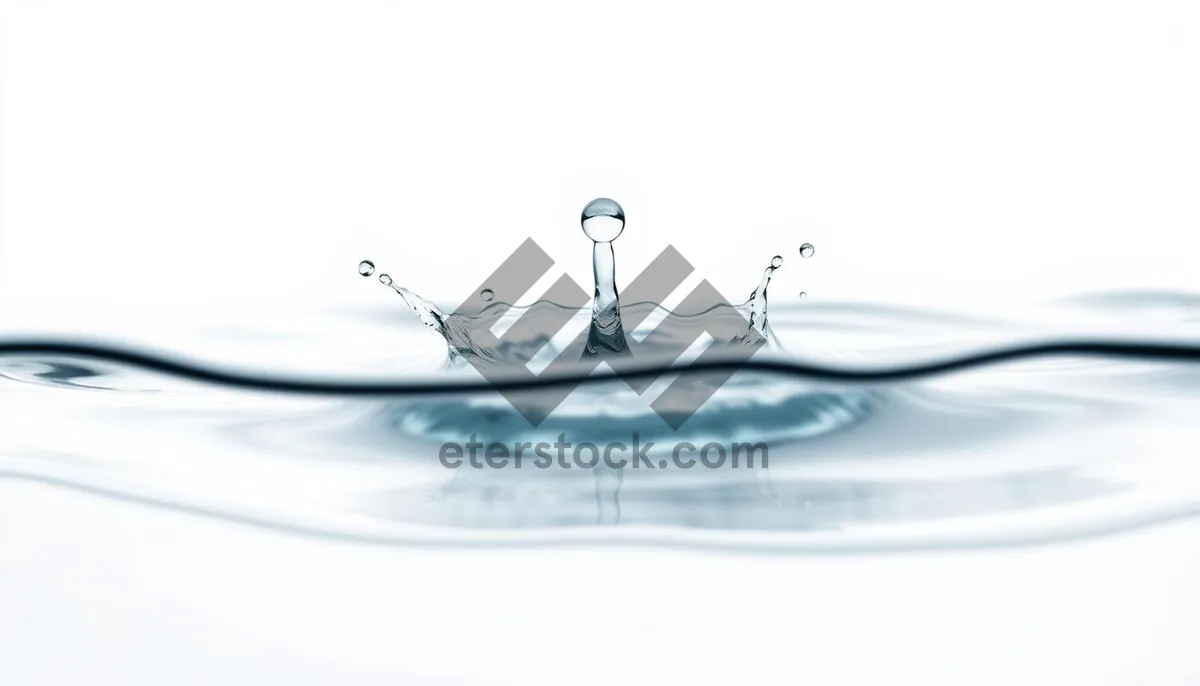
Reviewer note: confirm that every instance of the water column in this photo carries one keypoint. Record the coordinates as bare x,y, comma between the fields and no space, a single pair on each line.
603,220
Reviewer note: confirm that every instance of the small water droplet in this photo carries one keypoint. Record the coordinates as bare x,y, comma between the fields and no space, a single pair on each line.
603,220
807,250
487,294
385,279
366,267
777,261
803,295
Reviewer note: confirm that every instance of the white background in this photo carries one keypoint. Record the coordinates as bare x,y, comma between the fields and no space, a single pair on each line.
173,163
196,157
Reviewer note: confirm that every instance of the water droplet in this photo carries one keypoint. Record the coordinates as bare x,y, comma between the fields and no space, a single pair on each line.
807,250
487,294
777,261
803,295
366,267
603,220
385,279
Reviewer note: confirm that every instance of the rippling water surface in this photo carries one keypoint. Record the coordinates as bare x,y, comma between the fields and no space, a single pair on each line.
1030,450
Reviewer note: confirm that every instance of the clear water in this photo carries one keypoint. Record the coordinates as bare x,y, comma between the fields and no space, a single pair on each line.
1031,450
879,438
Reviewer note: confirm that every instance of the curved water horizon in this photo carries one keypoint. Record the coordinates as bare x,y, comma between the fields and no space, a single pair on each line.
163,363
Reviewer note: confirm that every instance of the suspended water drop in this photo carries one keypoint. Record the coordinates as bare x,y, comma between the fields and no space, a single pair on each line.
487,294
603,220
803,295
807,250
366,267
385,279
777,262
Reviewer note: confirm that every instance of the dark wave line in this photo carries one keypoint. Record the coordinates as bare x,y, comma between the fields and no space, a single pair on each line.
1171,352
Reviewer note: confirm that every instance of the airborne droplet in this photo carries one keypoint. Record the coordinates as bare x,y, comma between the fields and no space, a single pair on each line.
807,250
366,267
603,220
